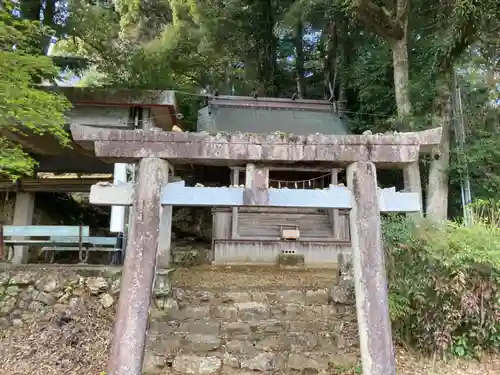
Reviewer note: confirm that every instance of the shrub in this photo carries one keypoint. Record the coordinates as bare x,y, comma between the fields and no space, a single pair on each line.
444,284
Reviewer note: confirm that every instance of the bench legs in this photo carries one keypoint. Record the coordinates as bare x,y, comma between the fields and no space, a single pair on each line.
49,256
115,258
83,255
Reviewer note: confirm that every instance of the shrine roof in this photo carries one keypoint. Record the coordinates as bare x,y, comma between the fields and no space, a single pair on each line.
271,103
114,97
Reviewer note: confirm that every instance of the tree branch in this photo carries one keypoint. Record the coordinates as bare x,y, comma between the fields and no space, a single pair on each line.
379,19
467,35
402,11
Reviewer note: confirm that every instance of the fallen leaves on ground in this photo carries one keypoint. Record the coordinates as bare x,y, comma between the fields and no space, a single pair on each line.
73,341
412,365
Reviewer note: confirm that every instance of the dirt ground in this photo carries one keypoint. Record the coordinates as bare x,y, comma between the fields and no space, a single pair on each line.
410,365
220,277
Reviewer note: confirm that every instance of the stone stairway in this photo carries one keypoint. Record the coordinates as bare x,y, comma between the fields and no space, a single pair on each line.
268,326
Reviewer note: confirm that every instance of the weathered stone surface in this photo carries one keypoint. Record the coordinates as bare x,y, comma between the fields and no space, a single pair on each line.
240,347
97,285
162,287
7,306
115,287
343,294
291,296
17,322
269,326
236,329
199,327
204,296
319,297
225,312
287,311
23,278
198,312
253,310
341,149
186,258
230,361
259,296
330,343
153,364
275,344
12,290
372,305
304,341
35,306
52,285
292,260
106,300
307,361
261,362
190,364
166,345
4,278
201,343
168,304
231,297
45,298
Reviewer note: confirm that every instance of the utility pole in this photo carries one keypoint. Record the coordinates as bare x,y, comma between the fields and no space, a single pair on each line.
459,130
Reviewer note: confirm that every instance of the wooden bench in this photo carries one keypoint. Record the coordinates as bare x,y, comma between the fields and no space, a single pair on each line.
64,236
101,244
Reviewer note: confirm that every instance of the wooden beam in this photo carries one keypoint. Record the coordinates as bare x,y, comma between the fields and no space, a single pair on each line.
66,185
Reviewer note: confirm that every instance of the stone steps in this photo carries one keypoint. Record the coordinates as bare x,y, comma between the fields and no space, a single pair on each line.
291,331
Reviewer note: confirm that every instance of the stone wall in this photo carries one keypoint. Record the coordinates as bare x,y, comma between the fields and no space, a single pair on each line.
204,320
191,253
56,320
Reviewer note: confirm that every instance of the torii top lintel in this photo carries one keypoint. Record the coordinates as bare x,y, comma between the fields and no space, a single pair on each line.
229,149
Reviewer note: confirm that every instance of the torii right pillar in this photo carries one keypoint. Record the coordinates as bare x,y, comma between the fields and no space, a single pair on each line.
370,281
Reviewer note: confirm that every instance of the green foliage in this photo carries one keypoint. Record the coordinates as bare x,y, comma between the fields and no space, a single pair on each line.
444,285
24,107
236,47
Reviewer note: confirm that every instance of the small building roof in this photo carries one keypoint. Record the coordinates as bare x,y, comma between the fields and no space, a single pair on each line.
112,97
264,115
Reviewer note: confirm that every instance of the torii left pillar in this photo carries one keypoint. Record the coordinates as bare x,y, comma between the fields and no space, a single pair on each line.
129,338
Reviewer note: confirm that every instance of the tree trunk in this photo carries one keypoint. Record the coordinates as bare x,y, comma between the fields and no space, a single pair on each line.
330,58
268,43
299,60
401,77
437,192
344,61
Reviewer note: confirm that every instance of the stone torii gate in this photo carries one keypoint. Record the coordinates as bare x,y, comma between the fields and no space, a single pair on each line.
152,198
